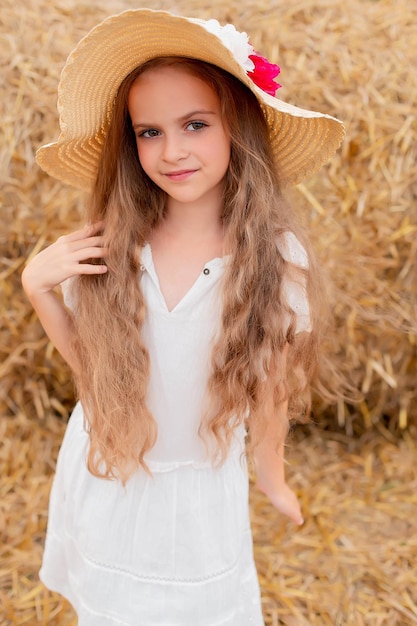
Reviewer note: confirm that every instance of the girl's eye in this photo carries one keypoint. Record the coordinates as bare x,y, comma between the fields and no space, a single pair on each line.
196,125
149,133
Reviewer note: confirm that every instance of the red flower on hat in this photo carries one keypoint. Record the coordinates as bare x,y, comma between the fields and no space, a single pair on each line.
264,73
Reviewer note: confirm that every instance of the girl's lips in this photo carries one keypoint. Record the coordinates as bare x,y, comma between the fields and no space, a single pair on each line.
180,175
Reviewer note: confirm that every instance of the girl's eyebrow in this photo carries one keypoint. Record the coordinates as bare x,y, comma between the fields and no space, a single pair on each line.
183,118
194,113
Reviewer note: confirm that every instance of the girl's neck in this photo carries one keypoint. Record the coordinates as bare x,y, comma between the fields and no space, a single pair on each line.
184,221
183,242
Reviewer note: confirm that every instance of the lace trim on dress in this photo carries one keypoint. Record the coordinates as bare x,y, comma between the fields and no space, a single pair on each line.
153,579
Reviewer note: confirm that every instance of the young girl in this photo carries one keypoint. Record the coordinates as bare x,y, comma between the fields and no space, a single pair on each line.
190,321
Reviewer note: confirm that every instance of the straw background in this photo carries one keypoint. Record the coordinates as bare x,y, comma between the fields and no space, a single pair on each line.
355,560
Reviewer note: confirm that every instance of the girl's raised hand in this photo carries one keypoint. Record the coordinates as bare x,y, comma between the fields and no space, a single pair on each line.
65,258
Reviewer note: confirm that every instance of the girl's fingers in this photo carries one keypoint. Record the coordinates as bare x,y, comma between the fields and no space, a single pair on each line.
97,240
86,268
74,242
80,249
68,256
84,233
287,503
90,253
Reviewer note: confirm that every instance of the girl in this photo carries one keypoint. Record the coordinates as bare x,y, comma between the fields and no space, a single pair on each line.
190,321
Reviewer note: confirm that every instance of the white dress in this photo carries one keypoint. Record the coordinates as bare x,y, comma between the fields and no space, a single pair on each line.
174,549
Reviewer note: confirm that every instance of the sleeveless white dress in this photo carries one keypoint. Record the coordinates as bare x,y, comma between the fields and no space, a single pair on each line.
174,548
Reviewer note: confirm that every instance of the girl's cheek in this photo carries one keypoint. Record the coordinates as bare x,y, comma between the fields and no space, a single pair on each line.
142,154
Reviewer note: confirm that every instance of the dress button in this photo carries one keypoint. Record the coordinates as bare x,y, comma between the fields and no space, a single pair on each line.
206,271
142,268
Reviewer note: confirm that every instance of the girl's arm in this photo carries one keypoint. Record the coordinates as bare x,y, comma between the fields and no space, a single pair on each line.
50,268
270,464
270,472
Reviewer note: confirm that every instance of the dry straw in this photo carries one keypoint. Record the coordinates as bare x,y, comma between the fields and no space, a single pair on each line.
354,562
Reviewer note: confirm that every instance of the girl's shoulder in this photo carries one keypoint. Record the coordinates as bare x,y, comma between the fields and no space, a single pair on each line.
292,250
294,281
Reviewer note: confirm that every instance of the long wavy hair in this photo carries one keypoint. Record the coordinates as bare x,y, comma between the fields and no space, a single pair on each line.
247,368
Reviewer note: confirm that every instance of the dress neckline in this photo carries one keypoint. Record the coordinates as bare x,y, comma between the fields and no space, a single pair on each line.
214,265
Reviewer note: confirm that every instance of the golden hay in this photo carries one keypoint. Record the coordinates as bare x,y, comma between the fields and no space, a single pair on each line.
353,563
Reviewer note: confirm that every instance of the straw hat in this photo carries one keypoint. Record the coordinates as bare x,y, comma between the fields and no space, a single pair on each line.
302,140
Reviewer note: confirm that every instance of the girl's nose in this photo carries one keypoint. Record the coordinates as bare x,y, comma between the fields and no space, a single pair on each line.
174,148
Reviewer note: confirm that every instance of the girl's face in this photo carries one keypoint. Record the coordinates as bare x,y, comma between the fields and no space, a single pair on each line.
182,141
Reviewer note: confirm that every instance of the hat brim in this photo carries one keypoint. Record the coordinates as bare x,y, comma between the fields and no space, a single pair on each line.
302,141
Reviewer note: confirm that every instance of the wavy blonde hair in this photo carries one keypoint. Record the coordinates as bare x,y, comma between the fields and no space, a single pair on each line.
247,359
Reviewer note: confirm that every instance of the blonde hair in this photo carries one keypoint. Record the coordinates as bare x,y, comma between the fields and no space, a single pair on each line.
247,361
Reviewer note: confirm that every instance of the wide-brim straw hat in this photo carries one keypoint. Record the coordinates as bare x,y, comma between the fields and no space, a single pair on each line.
302,140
